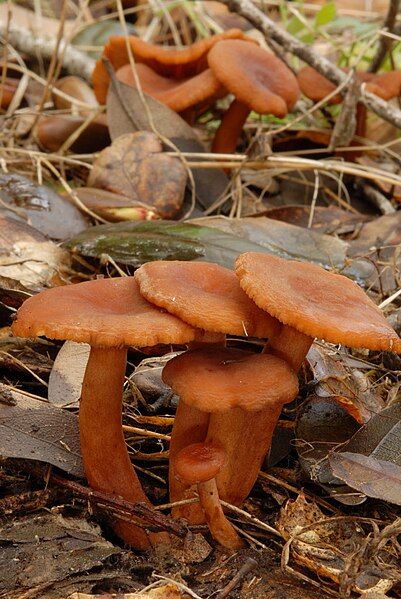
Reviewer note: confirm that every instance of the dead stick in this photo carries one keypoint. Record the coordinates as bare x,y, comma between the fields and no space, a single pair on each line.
271,30
138,510
385,43
117,504
247,567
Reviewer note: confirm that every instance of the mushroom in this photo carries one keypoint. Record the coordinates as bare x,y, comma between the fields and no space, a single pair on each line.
208,297
259,81
316,87
178,94
109,314
199,464
242,395
165,60
312,302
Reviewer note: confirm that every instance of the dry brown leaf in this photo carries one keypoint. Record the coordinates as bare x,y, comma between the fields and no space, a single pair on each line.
135,166
113,207
167,591
28,257
326,548
344,384
67,375
34,430
40,206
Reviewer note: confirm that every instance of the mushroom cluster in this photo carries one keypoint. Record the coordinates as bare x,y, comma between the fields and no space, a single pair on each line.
189,80
230,398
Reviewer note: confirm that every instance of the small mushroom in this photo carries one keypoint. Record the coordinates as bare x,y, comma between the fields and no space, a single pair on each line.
259,81
241,394
109,314
165,60
199,464
312,302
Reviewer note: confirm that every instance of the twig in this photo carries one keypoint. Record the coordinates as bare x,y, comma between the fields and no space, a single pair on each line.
138,511
376,198
249,565
271,30
23,40
385,43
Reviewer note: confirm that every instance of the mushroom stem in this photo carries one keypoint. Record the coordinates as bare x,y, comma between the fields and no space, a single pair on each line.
104,452
246,438
290,345
190,426
219,526
226,137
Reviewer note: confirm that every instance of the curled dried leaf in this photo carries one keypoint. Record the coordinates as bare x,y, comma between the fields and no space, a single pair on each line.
135,166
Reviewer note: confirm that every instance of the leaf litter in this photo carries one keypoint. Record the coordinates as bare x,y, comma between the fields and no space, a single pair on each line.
339,441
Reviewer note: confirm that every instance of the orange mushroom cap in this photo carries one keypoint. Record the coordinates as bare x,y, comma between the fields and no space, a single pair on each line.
178,94
199,462
216,379
316,87
205,295
103,313
165,60
385,85
256,77
315,302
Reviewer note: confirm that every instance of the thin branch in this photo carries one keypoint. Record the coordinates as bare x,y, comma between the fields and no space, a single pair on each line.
385,43
23,40
271,30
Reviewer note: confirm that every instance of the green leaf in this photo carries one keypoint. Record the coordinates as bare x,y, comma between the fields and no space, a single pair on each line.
97,34
295,25
135,243
326,14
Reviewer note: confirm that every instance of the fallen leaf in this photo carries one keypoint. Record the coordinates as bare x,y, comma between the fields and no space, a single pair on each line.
325,548
34,430
28,257
283,239
373,477
113,207
348,386
322,426
380,240
53,131
167,591
380,437
135,166
42,550
326,219
126,113
135,243
40,206
221,240
67,374
96,33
